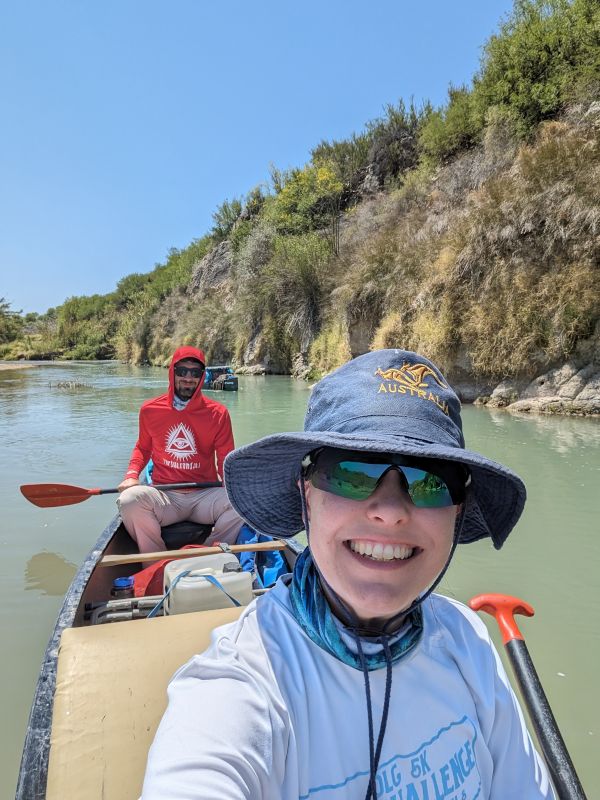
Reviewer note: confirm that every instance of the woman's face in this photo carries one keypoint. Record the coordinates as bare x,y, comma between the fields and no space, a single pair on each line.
381,553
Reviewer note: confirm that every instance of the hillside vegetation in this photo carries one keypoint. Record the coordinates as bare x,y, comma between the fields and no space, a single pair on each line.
468,232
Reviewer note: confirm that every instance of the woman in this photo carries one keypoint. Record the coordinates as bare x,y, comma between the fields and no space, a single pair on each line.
351,679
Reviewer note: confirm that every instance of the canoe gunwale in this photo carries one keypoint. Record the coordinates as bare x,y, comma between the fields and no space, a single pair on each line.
33,772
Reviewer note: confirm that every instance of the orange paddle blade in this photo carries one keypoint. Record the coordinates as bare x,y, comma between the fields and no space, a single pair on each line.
50,495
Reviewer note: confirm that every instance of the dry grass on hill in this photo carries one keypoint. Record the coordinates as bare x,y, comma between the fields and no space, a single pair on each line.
494,257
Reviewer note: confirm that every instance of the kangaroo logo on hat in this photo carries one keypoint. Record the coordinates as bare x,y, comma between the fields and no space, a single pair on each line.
412,377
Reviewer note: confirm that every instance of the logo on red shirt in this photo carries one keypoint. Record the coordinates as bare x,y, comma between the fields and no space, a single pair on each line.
180,442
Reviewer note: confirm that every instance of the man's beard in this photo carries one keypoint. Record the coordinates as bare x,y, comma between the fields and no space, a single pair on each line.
185,393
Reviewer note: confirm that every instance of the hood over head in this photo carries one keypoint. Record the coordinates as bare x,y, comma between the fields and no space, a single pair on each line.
180,355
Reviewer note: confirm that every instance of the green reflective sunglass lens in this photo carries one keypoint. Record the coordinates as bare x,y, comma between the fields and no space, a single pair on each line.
426,490
357,480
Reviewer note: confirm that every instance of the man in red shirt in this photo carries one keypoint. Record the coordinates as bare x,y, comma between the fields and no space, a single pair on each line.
187,436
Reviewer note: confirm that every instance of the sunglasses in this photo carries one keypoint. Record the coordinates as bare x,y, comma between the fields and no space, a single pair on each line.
355,476
193,372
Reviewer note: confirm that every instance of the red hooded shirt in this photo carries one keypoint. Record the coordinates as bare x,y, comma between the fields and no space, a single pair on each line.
188,445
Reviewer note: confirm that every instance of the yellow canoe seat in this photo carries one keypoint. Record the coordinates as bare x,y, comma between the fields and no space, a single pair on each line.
110,696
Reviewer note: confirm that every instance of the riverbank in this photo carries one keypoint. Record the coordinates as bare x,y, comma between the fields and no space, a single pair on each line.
5,365
572,389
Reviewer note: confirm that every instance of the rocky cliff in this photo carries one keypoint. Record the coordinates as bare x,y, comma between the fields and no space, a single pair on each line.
490,266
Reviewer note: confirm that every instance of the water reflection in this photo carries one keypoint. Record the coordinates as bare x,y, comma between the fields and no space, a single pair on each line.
49,573
561,434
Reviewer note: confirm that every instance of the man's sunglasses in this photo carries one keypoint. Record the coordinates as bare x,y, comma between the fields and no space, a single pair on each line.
193,372
430,483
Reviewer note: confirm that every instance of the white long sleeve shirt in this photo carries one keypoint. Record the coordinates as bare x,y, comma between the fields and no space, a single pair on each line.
265,713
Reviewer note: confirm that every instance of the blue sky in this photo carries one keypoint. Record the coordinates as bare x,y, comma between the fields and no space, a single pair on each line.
125,123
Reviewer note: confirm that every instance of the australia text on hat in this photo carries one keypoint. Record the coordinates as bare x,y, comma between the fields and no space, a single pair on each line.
411,378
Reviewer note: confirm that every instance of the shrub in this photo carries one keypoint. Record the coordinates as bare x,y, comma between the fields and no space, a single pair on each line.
293,285
131,337
307,201
345,158
445,132
393,142
329,350
130,287
11,322
525,319
255,252
545,52
177,272
225,217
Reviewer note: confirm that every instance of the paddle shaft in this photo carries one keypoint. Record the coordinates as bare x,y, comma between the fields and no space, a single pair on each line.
51,495
165,487
193,552
561,768
560,765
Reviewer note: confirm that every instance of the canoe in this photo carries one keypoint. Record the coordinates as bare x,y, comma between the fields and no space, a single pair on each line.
102,687
220,377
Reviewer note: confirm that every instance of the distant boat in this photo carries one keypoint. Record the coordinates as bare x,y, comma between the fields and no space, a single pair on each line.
221,378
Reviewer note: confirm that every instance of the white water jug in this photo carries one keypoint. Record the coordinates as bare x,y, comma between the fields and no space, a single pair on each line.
193,592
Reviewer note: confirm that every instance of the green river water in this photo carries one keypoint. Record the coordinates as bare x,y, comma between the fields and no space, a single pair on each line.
84,436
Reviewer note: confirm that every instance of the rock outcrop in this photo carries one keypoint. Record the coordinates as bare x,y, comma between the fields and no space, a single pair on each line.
213,271
567,389
259,358
564,390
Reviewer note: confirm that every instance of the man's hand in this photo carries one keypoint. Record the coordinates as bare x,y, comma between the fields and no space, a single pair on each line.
127,483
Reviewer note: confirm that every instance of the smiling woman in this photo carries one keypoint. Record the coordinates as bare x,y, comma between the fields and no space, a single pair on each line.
385,489
378,585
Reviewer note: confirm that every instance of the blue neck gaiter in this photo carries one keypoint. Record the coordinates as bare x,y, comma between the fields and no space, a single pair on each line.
311,611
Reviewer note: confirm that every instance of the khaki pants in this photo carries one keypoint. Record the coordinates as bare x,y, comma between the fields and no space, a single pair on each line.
144,510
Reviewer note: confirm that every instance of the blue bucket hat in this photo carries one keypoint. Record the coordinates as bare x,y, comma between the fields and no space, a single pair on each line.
389,401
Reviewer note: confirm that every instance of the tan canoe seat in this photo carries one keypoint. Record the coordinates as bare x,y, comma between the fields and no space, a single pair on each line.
110,695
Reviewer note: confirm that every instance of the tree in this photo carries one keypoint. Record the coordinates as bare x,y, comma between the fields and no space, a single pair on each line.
447,131
225,217
393,142
346,158
130,287
545,53
307,202
11,322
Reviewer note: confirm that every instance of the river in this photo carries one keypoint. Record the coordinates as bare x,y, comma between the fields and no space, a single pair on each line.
83,435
